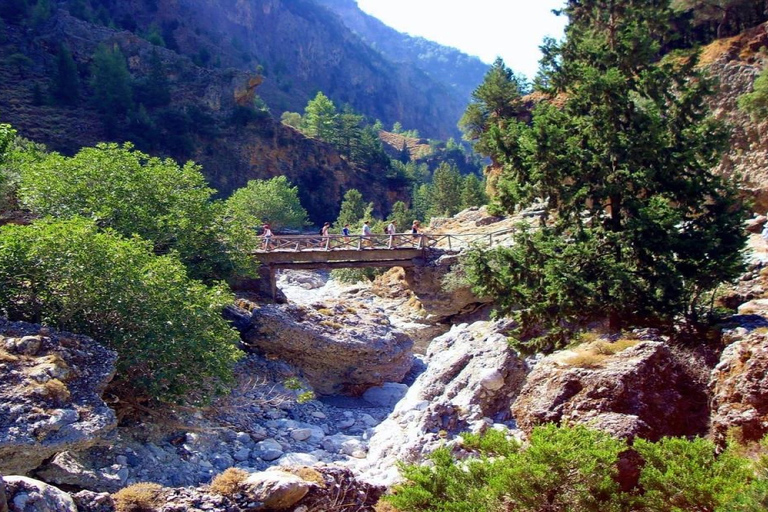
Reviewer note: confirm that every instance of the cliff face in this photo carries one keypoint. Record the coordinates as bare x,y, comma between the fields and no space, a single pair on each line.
199,123
462,73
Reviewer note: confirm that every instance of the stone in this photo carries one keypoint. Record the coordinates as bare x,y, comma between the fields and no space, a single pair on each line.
72,469
386,395
89,501
301,434
447,397
3,499
63,382
29,495
298,459
645,391
277,490
739,388
338,349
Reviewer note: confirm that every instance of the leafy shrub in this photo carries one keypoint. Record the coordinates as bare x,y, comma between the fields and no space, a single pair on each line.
167,328
134,194
755,103
687,475
562,469
575,469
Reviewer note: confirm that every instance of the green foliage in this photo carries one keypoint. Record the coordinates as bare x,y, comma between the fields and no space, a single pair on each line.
755,103
15,151
41,12
356,275
353,210
640,228
576,469
167,329
65,85
562,469
292,119
274,201
319,118
445,198
126,190
681,475
402,216
111,82
494,103
154,90
473,192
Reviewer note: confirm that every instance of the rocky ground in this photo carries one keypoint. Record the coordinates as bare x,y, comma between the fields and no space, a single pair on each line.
352,436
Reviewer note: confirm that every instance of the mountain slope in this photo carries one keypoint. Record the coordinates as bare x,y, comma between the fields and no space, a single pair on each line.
461,72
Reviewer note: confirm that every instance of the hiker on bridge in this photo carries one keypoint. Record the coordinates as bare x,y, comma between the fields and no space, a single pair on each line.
391,230
366,233
267,236
325,233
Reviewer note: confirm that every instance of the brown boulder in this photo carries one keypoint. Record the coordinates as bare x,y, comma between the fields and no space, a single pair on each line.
739,388
641,391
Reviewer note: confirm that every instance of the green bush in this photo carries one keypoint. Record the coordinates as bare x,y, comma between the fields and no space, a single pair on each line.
575,469
562,469
135,194
681,475
755,103
274,201
167,329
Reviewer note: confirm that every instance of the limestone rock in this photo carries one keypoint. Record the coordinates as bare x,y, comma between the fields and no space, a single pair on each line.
28,495
448,397
739,387
277,490
641,391
439,301
339,349
50,394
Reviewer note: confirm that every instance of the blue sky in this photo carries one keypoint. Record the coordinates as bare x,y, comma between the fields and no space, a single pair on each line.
511,29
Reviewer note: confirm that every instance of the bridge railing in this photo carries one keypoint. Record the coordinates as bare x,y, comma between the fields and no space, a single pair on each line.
298,243
450,242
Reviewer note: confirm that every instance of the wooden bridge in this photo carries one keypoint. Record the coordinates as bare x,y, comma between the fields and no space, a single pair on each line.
354,251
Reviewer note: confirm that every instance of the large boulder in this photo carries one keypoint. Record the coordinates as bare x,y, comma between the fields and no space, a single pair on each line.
276,489
28,495
471,379
339,348
645,390
739,387
50,394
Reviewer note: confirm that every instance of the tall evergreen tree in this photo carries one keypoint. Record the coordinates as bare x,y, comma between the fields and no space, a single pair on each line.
472,193
111,82
494,103
446,191
154,90
320,117
65,87
353,209
641,229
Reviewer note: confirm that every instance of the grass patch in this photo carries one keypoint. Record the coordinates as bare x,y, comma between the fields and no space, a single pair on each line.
594,354
7,357
140,497
229,482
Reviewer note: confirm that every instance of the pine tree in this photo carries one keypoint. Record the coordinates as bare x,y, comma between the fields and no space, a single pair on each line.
494,103
111,82
446,191
320,117
353,210
641,230
65,87
154,90
472,193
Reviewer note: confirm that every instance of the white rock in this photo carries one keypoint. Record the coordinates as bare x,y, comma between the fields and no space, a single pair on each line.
301,434
386,395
